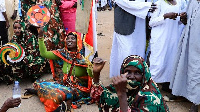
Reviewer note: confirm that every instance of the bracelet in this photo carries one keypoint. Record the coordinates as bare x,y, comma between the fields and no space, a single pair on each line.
96,84
40,37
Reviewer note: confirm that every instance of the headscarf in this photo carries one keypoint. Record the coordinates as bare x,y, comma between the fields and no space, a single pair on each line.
17,21
139,63
18,39
146,97
78,39
68,56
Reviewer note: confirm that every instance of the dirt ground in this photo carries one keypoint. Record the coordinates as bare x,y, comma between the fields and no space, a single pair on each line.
105,33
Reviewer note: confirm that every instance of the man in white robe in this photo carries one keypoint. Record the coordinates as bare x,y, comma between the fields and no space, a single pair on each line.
186,74
4,23
103,5
134,43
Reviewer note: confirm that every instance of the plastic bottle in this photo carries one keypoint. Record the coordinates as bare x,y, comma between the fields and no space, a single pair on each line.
16,91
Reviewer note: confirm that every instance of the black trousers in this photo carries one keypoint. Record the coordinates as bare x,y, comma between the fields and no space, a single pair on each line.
3,33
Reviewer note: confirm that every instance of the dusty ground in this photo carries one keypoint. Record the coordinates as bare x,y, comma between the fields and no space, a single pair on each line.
104,26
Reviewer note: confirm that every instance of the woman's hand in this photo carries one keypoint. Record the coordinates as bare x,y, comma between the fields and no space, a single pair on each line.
171,15
120,83
40,32
183,17
98,64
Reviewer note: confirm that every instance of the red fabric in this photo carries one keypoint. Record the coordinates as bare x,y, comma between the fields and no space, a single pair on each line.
96,93
79,42
73,83
68,14
89,35
49,104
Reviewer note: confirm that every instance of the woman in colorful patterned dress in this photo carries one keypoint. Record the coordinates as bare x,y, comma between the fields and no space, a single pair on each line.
132,91
73,84
33,65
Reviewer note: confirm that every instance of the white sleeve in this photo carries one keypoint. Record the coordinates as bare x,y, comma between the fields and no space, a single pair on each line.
137,8
156,17
183,6
183,9
2,6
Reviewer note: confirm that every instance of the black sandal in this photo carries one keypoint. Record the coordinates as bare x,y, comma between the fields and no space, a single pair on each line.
30,91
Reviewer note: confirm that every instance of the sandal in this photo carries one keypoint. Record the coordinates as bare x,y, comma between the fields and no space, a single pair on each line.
173,98
30,91
169,98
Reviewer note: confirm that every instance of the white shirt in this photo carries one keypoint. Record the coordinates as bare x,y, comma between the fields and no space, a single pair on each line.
2,9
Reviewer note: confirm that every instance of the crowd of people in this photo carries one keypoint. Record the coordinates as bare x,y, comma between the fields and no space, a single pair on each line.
101,5
58,48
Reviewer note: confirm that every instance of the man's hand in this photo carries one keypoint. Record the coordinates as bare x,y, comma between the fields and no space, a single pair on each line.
7,24
58,2
13,17
183,17
6,18
171,15
153,7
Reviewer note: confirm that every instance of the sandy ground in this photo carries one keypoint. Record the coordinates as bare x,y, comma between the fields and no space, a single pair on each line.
105,27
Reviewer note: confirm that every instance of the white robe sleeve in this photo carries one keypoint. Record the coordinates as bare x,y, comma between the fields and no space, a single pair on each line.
183,6
183,9
156,17
2,6
137,8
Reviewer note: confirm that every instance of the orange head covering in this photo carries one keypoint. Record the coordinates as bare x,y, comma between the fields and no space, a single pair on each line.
78,40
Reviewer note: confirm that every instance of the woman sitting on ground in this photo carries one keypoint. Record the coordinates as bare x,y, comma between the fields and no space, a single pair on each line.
32,66
75,82
132,91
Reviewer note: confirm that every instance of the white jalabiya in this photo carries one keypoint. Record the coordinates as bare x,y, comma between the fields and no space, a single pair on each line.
133,44
186,74
103,3
164,40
